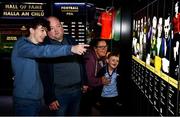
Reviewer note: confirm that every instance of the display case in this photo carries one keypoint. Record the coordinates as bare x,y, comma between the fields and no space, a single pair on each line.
155,55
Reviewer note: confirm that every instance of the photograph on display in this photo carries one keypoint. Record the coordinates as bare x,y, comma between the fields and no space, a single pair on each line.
135,41
139,35
174,64
155,36
158,51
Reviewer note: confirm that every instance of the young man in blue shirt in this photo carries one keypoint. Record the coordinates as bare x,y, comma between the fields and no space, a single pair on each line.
28,90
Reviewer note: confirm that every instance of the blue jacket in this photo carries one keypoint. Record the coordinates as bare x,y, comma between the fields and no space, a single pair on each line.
27,83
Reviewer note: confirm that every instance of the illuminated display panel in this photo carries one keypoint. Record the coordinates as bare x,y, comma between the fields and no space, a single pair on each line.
14,17
73,18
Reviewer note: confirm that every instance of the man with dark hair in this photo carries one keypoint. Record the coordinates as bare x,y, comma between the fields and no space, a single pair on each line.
28,90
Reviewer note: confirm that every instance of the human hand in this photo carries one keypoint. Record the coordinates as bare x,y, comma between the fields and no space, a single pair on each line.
79,49
54,105
84,88
105,81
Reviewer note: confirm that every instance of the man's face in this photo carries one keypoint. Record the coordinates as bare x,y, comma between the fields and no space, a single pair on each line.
166,28
101,49
57,30
38,34
154,24
176,7
142,23
159,27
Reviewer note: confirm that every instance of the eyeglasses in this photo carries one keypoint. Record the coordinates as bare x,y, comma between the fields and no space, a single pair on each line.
102,47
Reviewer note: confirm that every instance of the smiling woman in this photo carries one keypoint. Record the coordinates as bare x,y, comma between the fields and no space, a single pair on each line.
94,61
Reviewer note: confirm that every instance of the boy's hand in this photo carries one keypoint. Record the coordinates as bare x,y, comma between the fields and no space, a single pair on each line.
54,105
105,81
84,88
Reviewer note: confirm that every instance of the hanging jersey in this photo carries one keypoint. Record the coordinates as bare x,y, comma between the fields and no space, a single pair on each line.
176,24
105,19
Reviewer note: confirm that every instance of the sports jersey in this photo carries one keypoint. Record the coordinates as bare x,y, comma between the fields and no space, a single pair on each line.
109,90
176,23
105,19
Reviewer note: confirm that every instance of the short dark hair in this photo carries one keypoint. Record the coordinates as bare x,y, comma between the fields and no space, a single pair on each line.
95,42
39,21
115,53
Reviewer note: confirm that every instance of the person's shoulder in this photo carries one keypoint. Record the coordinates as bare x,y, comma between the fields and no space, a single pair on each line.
67,36
101,72
70,39
104,68
89,53
21,39
47,40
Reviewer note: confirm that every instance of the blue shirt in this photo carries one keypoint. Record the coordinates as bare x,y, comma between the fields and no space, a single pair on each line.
109,90
27,83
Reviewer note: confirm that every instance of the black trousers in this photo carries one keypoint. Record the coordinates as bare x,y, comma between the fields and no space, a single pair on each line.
109,106
89,100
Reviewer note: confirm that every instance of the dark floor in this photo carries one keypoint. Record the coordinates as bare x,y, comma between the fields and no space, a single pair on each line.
133,103
6,105
6,108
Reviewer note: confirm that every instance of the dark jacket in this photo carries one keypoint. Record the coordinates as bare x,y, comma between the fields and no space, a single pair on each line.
92,65
47,71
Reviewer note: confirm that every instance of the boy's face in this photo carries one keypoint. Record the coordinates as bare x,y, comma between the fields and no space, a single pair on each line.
38,34
113,62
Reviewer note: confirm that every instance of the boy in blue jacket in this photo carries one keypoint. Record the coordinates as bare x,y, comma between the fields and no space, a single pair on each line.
109,94
28,90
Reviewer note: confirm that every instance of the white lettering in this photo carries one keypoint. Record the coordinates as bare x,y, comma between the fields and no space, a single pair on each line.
22,6
35,6
11,6
25,14
10,13
37,13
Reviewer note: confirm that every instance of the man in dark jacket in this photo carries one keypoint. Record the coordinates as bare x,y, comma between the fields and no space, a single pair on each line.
63,77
